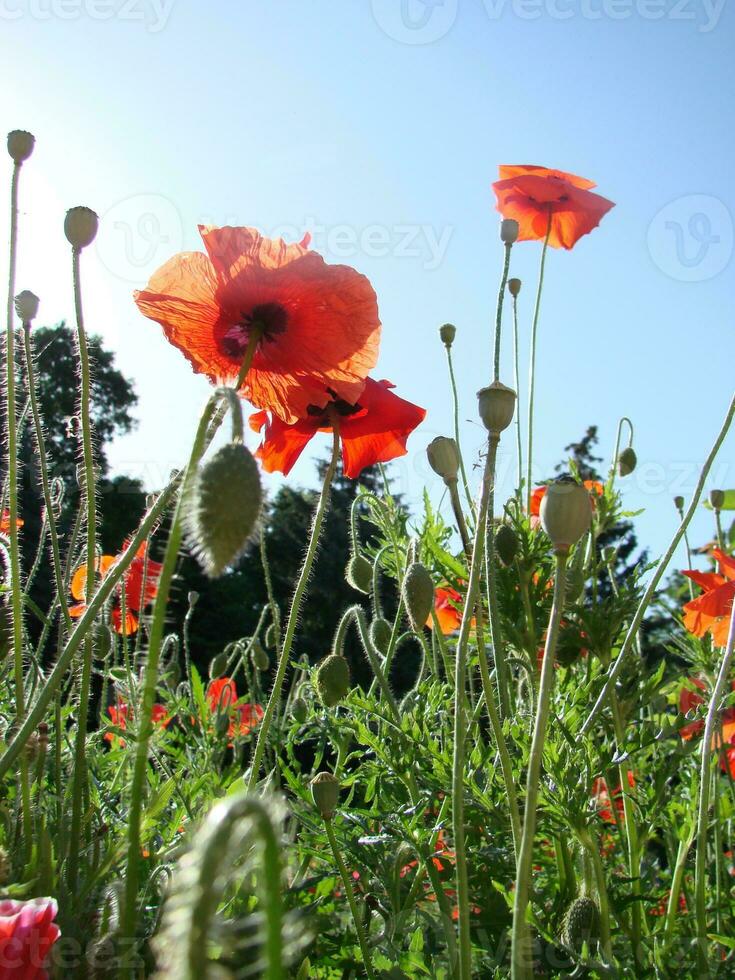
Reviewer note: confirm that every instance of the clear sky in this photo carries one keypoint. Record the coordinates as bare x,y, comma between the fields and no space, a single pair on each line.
378,125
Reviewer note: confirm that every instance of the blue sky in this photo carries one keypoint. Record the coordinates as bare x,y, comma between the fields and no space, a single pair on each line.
379,127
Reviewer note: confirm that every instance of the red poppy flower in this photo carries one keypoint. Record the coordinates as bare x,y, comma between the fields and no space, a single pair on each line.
533,195
594,486
373,430
5,522
27,933
448,610
317,324
120,713
140,583
688,700
222,698
710,612
601,797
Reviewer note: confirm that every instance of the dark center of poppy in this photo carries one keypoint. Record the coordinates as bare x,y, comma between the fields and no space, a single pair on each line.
338,405
267,319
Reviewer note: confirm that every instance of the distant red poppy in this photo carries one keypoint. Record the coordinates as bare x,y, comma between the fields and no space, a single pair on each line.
533,196
448,610
27,933
317,325
222,698
140,584
373,430
120,714
710,612
5,522
601,797
688,700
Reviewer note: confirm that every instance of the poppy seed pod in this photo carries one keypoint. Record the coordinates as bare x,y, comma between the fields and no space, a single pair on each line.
380,634
20,145
717,499
221,508
509,229
447,332
26,306
418,595
443,456
359,574
80,227
506,544
566,512
496,404
679,502
325,793
627,461
514,287
332,679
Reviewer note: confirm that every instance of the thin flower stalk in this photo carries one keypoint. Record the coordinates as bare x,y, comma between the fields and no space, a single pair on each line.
516,385
350,892
455,416
532,364
499,312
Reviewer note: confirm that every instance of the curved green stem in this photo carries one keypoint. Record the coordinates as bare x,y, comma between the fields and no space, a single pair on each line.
616,451
532,365
499,311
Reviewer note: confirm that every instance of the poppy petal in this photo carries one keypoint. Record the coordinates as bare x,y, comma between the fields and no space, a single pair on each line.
379,433
282,443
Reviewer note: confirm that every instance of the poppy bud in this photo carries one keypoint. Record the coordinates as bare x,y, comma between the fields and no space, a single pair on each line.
380,634
221,508
418,595
609,554
299,710
566,512
627,461
80,227
218,666
506,544
325,793
270,636
260,658
359,574
332,679
509,229
679,502
222,721
193,598
497,404
581,923
443,456
26,306
514,287
447,332
717,499
20,145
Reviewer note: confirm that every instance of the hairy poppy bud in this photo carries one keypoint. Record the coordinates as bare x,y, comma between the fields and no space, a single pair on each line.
218,666
332,679
20,145
359,574
221,508
418,595
497,404
270,636
717,499
514,287
566,512
443,456
679,502
581,923
627,461
509,229
448,332
325,793
260,658
299,710
380,634
80,227
506,544
26,306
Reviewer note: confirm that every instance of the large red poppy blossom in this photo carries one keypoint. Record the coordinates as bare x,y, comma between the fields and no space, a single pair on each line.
534,195
710,612
27,933
317,324
373,430
139,582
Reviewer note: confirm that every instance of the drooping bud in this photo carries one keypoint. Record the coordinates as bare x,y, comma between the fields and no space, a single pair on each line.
514,287
218,666
26,306
627,461
260,658
192,598
506,544
325,793
447,332
20,145
380,634
679,502
80,227
581,923
332,679
359,574
509,229
418,595
566,513
299,710
717,499
221,508
497,404
443,456
270,636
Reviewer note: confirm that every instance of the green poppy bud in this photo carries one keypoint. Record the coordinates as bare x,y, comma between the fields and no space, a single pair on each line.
717,499
566,513
679,502
359,574
514,287
497,404
218,666
627,461
20,145
447,332
418,595
332,679
270,637
80,227
443,456
380,634
299,710
506,544
260,658
325,793
581,923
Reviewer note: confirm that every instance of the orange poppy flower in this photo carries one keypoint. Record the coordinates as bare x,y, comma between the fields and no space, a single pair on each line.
535,195
140,583
601,797
448,610
373,430
594,486
317,324
222,698
120,713
688,700
710,612
5,522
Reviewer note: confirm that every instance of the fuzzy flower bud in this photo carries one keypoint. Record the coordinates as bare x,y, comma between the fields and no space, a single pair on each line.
447,334
80,227
260,658
506,544
380,634
509,231
218,666
332,680
300,710
325,793
418,595
581,923
566,513
496,404
20,145
514,287
679,502
443,456
627,461
359,574
717,499
26,306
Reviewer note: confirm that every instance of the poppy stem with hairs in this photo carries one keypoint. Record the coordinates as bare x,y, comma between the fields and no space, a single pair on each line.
616,451
517,383
521,951
532,365
499,311
700,874
294,612
455,408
